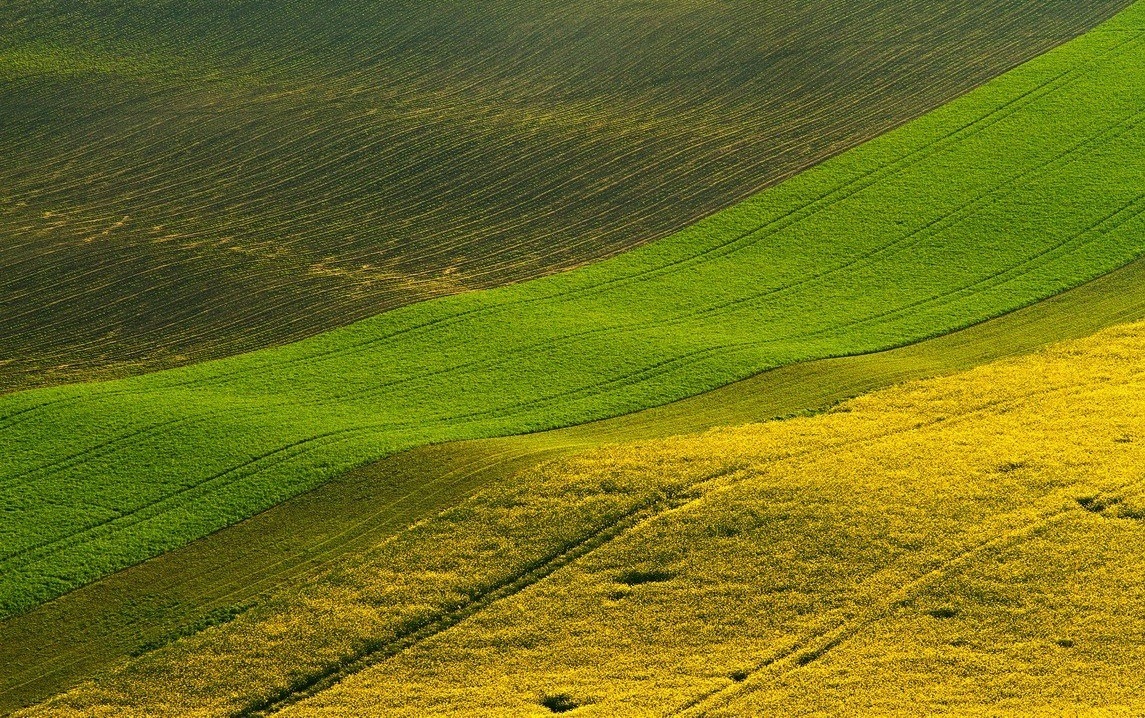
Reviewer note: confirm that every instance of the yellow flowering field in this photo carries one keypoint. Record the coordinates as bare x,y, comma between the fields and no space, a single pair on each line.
964,545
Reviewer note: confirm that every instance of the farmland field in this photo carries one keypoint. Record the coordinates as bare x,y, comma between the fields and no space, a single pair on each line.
183,591
678,358
963,542
1019,190
183,181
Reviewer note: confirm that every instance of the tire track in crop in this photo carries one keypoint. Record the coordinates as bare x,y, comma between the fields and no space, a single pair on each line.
679,498
410,636
811,648
144,512
935,226
96,451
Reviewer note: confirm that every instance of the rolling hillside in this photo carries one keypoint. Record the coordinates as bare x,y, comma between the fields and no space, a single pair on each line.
964,545
1022,189
182,181
147,606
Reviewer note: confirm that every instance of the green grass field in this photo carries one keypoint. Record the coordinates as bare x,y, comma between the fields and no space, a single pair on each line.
964,545
1021,189
183,181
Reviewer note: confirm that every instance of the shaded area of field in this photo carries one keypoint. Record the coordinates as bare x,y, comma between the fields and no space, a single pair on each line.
181,182
1018,191
180,593
957,543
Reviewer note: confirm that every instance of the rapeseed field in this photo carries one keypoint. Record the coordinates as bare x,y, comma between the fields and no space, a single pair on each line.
965,545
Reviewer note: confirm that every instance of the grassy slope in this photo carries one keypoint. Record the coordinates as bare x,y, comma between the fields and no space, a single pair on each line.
959,544
180,182
47,650
1021,189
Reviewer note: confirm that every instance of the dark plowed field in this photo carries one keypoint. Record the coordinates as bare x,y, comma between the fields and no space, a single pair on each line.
180,181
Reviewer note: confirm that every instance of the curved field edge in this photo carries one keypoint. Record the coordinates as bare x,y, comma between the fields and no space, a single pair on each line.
1019,190
683,575
182,184
194,587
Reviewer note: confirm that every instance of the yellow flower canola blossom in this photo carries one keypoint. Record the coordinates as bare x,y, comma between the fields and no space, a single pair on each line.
967,545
